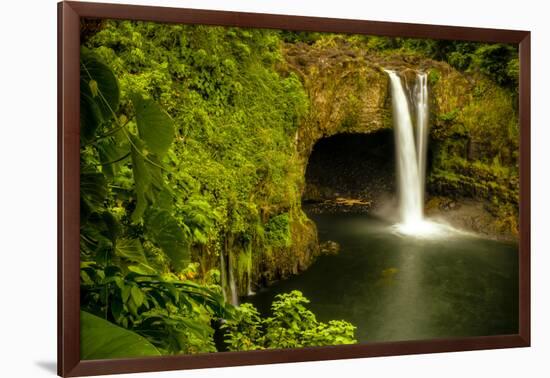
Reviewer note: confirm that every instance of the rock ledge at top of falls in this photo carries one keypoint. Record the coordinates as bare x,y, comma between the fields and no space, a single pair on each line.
349,93
347,87
474,134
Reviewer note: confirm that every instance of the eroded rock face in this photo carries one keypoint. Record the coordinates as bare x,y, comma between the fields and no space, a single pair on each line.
474,132
347,92
281,263
472,157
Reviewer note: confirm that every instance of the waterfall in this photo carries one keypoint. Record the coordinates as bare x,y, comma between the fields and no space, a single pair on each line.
410,183
249,291
232,284
411,145
422,115
223,277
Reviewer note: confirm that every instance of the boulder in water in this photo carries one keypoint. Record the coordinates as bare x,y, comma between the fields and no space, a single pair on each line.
330,248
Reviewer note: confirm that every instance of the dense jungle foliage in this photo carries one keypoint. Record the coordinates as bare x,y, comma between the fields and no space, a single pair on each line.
173,182
190,181
498,61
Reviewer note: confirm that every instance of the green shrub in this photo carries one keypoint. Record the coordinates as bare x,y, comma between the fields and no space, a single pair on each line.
292,325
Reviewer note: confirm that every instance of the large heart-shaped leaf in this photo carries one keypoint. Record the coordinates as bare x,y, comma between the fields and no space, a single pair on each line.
155,126
131,250
142,178
101,339
93,188
90,116
167,233
112,151
99,93
99,81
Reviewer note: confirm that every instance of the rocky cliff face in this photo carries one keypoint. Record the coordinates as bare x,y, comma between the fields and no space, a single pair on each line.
348,92
475,145
474,124
472,170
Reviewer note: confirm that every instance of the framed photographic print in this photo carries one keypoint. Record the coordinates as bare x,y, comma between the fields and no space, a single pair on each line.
239,188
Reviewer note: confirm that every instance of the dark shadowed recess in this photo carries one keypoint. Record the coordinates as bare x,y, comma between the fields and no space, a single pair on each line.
357,166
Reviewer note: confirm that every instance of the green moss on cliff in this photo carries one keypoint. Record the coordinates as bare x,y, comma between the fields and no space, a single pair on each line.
474,122
475,143
296,247
347,91
233,166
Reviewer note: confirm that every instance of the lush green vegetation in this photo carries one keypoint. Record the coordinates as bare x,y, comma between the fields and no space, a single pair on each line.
187,174
474,133
498,61
191,180
291,326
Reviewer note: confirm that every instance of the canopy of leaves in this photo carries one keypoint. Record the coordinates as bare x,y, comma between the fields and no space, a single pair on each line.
217,93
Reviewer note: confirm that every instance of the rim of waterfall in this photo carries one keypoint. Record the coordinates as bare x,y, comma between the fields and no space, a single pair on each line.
411,146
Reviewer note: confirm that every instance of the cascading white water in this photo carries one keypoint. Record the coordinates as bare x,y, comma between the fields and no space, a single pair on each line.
232,284
411,150
409,180
421,99
228,279
249,291
223,277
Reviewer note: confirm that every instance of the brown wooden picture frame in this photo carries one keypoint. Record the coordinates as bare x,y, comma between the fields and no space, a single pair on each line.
69,15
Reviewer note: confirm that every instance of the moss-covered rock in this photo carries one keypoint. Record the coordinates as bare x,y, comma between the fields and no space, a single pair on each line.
295,255
473,145
347,93
474,135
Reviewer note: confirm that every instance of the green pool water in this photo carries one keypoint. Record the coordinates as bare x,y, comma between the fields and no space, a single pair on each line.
401,288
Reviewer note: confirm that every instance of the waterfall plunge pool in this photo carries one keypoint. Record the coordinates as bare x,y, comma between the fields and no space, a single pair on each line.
414,279
395,287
